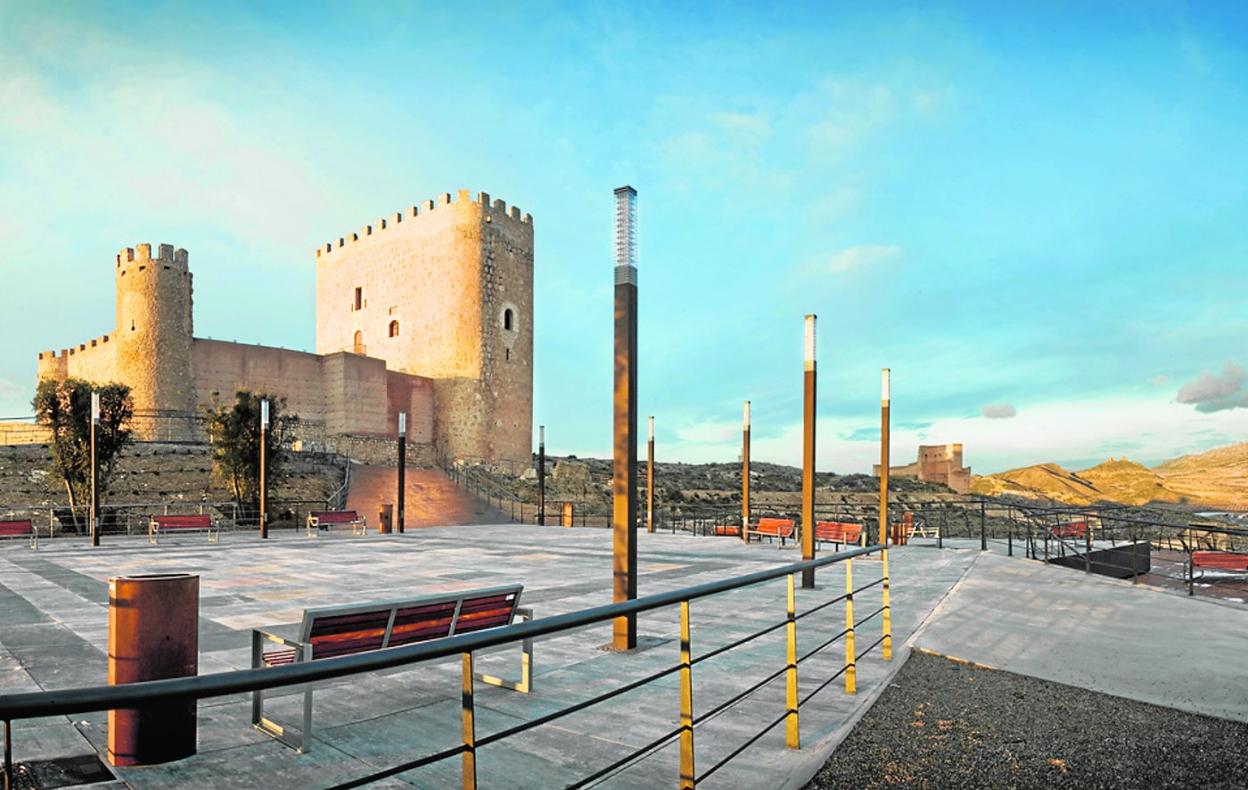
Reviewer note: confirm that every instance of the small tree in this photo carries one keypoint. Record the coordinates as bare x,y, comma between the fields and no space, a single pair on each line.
235,435
65,408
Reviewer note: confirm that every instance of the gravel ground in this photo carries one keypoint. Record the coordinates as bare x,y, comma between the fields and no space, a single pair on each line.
942,724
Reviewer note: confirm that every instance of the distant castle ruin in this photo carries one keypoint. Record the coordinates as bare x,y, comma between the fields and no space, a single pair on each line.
937,463
427,311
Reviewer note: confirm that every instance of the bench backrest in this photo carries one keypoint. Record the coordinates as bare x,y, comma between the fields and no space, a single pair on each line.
1075,529
1226,560
838,531
22,527
345,630
335,516
780,527
196,521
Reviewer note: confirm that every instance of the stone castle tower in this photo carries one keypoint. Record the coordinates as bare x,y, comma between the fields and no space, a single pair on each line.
445,291
152,341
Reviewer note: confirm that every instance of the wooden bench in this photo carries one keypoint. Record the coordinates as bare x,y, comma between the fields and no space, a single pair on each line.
770,528
838,532
327,519
199,522
330,631
1075,529
1233,561
22,528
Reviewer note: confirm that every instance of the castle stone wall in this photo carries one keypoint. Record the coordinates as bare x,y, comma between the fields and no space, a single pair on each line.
223,368
95,360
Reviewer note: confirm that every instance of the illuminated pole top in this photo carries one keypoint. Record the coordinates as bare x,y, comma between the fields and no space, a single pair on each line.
747,414
264,413
810,341
541,434
95,408
402,423
651,425
884,385
625,235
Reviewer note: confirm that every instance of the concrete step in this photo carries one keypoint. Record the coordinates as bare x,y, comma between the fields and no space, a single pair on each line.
433,499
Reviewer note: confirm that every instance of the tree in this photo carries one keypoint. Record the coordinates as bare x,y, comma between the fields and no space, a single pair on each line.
65,408
235,435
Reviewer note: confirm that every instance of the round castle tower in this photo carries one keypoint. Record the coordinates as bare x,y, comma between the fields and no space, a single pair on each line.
153,336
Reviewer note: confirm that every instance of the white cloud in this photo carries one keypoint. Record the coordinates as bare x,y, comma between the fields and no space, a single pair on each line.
999,411
862,256
1210,392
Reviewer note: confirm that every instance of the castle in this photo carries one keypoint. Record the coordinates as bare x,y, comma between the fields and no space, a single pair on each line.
937,463
427,311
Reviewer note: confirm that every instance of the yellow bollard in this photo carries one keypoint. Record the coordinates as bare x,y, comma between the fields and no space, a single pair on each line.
851,671
792,733
468,727
687,776
888,611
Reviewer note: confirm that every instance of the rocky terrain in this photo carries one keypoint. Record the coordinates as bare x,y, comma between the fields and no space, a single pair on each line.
1215,479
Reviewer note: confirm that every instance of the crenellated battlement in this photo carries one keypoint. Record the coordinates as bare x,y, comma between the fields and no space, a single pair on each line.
51,354
141,254
496,210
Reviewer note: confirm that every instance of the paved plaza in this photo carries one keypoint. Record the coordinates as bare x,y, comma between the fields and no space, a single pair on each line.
1014,614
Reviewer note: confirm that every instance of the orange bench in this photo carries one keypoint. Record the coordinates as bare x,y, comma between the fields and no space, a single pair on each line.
201,522
1234,561
23,528
838,532
332,631
326,519
1075,529
770,528
726,531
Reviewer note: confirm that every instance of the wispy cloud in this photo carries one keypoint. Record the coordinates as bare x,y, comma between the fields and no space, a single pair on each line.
862,256
1211,392
999,411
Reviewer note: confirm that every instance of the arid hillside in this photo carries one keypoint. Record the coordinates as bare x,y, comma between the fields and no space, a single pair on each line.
1215,479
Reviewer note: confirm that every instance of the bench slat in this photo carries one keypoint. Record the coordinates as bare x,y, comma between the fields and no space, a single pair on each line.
1221,560
20,528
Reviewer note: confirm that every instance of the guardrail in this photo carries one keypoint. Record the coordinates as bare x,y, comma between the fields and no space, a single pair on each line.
29,705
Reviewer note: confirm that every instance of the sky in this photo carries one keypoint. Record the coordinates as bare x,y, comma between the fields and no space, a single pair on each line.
1035,215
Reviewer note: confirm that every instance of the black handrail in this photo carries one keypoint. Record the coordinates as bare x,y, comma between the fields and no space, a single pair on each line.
85,699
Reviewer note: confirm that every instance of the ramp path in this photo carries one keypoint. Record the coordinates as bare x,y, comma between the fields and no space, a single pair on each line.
433,499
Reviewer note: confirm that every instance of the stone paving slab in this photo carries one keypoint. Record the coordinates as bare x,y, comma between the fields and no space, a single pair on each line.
53,610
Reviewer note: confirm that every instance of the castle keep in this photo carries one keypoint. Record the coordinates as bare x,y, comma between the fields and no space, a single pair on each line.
428,310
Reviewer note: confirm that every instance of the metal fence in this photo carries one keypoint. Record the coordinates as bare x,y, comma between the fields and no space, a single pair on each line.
24,706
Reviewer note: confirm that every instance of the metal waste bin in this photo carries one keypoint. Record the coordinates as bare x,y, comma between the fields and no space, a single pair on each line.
153,634
385,519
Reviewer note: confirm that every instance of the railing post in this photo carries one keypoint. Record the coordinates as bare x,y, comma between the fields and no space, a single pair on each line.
9,782
983,527
1087,541
468,728
792,732
1009,538
851,657
687,776
888,610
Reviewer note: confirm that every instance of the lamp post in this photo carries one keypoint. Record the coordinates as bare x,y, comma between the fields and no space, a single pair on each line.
624,476
650,477
808,455
402,492
541,475
95,472
745,475
264,483
884,441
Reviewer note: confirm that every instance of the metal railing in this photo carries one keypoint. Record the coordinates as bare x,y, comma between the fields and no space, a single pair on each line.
29,705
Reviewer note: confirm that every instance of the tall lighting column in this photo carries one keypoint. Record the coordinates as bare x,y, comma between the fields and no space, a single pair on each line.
745,474
650,476
885,374
264,482
402,492
95,471
541,475
624,477
808,456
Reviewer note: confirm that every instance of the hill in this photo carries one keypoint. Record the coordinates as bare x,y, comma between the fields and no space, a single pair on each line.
1216,479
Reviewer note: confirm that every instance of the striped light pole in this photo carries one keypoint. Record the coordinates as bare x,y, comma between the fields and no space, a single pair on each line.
95,471
624,477
808,456
650,477
745,475
884,441
402,492
264,482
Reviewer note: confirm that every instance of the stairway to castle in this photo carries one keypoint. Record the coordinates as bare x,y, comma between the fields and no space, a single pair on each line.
433,499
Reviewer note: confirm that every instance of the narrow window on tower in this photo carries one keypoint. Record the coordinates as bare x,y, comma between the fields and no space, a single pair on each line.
507,319
359,298
394,329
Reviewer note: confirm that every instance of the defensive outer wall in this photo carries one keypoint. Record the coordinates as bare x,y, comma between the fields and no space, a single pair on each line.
428,310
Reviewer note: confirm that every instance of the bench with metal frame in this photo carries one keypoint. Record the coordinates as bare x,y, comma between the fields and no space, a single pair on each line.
199,522
770,528
838,532
20,528
331,631
1075,529
326,519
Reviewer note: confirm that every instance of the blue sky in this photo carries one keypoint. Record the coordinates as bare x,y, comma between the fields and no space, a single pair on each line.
1040,212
